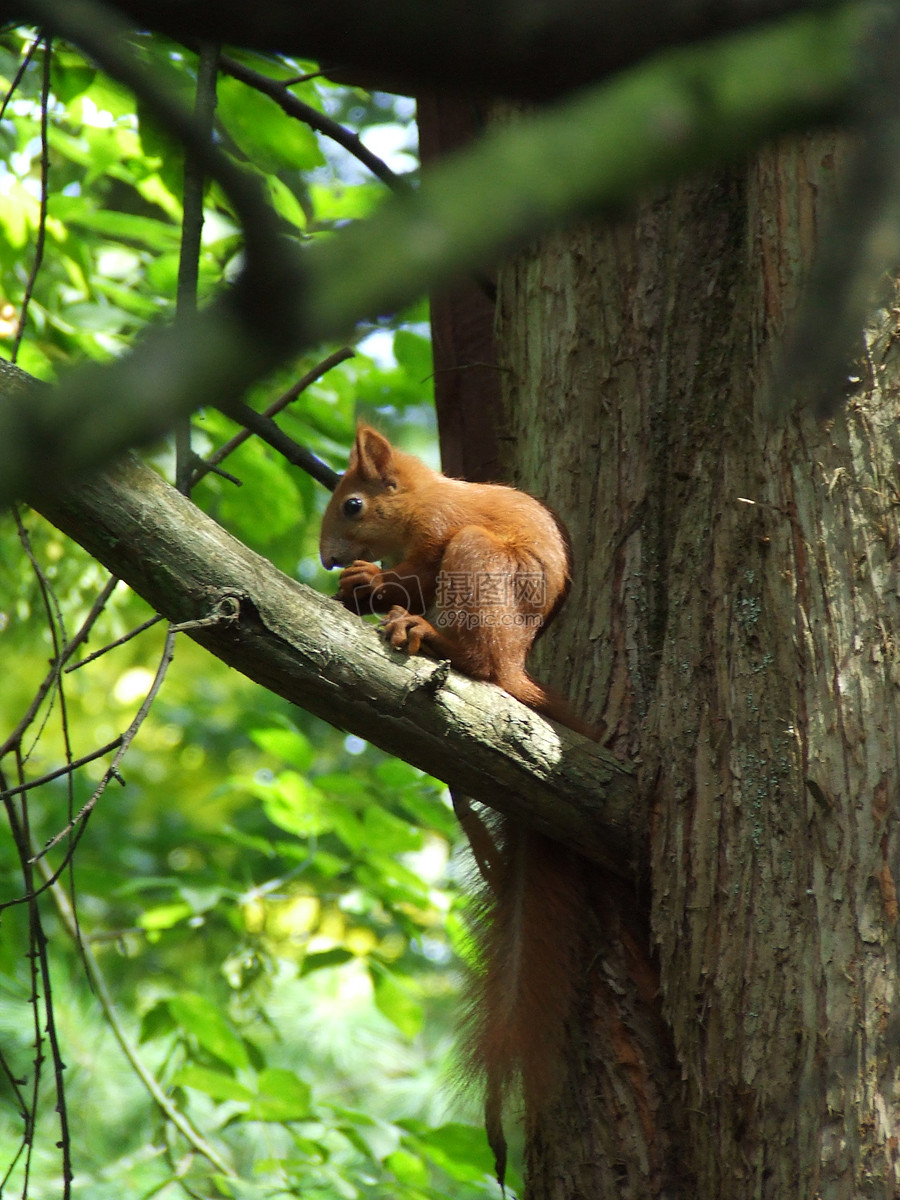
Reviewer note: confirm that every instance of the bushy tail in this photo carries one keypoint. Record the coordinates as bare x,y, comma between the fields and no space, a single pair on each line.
526,928
528,923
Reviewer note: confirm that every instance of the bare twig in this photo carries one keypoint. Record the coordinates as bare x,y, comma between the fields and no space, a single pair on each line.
52,676
286,398
23,67
126,637
42,215
191,234
98,982
68,769
279,91
40,979
266,428
112,771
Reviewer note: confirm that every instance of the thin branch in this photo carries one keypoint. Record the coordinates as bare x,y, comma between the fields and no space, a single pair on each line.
17,79
265,297
112,771
62,1110
45,190
265,428
52,676
96,29
171,1113
286,398
103,597
191,234
54,624
279,91
126,637
40,975
68,769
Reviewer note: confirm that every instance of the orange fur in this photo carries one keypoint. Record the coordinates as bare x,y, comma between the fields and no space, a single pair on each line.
490,566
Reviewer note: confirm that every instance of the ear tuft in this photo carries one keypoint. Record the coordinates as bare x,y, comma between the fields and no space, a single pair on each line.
372,456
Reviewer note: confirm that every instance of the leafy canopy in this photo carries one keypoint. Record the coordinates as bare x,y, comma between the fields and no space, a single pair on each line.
266,903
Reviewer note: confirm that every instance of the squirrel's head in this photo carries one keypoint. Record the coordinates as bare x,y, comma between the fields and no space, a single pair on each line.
361,520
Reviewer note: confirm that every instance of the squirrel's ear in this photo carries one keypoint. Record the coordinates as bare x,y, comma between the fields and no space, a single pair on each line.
372,456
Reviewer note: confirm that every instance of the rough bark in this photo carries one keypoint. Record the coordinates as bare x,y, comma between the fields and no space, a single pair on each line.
307,648
466,381
733,623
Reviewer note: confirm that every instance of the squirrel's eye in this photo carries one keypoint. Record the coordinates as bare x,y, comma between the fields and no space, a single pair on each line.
352,506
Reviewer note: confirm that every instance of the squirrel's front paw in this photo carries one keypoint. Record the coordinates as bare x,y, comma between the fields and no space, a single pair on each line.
356,581
403,629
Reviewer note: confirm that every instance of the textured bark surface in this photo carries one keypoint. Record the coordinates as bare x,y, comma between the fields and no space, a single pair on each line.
733,624
466,381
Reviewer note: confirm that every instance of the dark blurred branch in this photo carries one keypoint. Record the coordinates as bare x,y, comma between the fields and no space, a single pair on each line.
501,47
592,154
859,247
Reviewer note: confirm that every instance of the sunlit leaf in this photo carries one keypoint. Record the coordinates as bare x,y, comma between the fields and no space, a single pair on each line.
70,75
164,916
290,745
394,998
296,805
413,353
267,136
281,1096
407,1168
212,1083
199,1016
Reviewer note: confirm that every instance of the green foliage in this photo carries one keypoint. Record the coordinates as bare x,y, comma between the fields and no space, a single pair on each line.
265,899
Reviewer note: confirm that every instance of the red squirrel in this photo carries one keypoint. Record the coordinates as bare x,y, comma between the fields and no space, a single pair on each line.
490,566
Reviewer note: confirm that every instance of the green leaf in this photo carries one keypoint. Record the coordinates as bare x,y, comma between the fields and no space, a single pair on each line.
327,958
281,1096
200,1017
285,202
164,916
290,745
70,75
74,213
407,1168
156,1022
387,834
98,318
212,1083
395,1001
394,773
270,139
460,1150
295,805
413,353
268,505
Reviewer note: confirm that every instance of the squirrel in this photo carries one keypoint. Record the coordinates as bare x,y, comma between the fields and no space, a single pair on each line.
475,573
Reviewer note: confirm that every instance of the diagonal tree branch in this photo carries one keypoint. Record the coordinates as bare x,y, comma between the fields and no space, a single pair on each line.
307,648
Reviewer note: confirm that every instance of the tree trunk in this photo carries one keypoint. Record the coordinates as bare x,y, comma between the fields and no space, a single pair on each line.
732,625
